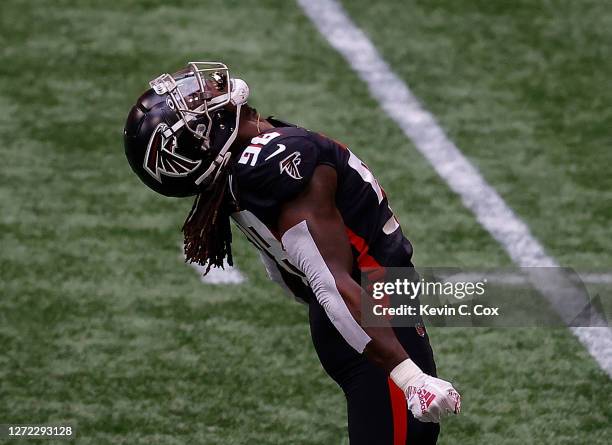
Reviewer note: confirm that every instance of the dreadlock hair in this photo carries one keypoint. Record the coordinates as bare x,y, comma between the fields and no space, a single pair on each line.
207,231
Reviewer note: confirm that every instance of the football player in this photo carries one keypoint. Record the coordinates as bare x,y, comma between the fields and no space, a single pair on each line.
319,218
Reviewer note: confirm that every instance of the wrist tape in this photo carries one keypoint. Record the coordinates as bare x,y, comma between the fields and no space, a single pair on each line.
405,373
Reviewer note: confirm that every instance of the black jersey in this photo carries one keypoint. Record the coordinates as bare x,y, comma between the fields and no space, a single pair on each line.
277,166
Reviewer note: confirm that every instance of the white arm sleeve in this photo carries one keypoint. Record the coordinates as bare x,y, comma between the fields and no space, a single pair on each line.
305,255
275,275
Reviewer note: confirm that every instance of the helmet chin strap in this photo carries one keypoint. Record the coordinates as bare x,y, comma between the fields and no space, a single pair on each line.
222,165
224,156
239,94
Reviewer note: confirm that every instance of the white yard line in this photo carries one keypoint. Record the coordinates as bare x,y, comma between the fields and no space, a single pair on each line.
596,278
518,278
420,126
227,275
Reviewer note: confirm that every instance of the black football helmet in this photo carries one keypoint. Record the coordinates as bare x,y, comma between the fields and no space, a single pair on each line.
177,136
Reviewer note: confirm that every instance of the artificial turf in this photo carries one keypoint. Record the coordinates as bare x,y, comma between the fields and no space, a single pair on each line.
102,325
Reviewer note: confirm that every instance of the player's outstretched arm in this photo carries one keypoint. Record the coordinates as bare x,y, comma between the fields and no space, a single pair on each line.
314,235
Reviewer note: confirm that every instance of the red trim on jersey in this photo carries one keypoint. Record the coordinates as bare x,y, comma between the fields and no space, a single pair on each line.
364,260
335,141
340,144
399,408
368,264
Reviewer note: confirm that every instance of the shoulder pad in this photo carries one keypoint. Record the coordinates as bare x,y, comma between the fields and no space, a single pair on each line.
277,163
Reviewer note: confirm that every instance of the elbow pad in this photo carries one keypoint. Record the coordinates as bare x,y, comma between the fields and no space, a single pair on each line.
304,254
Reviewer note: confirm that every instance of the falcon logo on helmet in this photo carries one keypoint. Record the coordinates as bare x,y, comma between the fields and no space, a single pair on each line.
178,135
161,159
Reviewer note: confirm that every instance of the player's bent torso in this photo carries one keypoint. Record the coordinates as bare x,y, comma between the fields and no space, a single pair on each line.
277,166
272,170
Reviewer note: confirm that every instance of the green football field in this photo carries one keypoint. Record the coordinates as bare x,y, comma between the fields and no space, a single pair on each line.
102,324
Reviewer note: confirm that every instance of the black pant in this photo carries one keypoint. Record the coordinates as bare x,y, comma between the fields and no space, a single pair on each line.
377,408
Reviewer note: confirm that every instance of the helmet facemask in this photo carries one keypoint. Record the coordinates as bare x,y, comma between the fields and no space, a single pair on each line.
195,93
